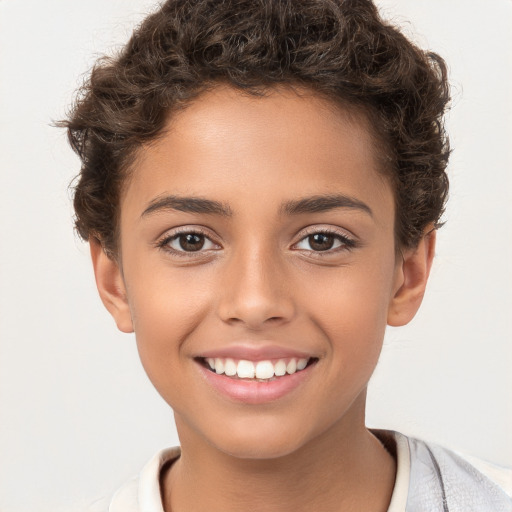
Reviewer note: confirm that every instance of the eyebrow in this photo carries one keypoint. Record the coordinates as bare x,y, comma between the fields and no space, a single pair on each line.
323,203
188,204
313,204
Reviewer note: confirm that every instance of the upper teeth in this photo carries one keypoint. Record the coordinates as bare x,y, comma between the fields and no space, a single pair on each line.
244,369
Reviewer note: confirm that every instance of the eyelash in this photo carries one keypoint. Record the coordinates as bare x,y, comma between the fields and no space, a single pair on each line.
164,242
347,243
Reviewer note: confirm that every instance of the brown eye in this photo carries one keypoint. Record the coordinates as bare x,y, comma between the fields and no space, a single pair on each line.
187,242
325,241
191,241
321,241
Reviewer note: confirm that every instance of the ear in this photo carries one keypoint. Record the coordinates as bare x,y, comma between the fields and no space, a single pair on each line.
411,280
111,287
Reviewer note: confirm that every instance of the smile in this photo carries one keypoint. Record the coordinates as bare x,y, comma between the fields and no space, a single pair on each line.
265,370
255,380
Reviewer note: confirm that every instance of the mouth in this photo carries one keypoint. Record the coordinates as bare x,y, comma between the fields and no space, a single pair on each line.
268,370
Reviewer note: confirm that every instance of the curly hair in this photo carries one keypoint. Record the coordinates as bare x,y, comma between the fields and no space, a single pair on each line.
340,49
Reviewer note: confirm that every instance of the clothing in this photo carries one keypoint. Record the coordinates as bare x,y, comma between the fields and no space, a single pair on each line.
429,479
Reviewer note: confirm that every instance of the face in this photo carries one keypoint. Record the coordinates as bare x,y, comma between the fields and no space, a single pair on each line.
258,269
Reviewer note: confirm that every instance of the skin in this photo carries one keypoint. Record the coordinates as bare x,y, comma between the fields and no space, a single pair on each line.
259,279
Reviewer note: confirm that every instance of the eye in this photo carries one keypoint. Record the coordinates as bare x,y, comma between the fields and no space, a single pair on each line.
324,241
187,242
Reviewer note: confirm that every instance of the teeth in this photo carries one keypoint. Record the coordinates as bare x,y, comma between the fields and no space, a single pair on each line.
230,368
245,369
291,367
280,368
263,370
219,365
301,364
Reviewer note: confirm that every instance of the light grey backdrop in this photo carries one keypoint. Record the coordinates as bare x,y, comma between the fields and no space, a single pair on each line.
77,414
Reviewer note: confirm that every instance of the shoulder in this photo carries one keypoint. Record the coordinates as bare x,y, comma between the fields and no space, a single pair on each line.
438,475
127,497
141,493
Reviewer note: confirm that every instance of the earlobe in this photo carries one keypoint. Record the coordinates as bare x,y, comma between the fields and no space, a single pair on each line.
111,287
411,280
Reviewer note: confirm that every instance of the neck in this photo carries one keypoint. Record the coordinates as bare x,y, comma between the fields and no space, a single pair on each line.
344,469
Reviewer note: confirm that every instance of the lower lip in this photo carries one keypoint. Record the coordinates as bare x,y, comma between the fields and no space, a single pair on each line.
256,392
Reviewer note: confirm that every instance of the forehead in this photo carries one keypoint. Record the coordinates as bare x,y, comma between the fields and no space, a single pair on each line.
236,146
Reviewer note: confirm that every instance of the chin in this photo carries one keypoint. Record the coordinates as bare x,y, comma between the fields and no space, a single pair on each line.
261,449
259,440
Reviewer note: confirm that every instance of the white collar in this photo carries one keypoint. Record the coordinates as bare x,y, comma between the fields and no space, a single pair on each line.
143,494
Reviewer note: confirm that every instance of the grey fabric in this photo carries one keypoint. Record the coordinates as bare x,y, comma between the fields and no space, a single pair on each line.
441,481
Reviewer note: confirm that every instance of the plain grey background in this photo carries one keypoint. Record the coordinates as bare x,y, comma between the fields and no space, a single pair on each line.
77,414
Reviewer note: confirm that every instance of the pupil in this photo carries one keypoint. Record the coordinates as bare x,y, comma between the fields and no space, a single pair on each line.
191,242
321,241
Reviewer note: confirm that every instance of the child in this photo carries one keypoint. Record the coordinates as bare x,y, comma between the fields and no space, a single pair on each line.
261,186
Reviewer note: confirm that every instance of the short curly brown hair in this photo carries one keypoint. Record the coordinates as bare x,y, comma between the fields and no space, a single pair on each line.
340,49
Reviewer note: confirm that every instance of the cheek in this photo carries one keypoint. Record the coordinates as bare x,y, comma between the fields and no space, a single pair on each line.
355,298
161,297
352,310
166,309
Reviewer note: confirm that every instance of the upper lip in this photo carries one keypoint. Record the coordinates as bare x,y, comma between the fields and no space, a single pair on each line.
253,352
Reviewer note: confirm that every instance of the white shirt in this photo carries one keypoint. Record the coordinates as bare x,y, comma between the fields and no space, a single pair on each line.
428,479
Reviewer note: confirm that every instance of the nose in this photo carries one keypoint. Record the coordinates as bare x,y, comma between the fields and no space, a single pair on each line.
255,290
